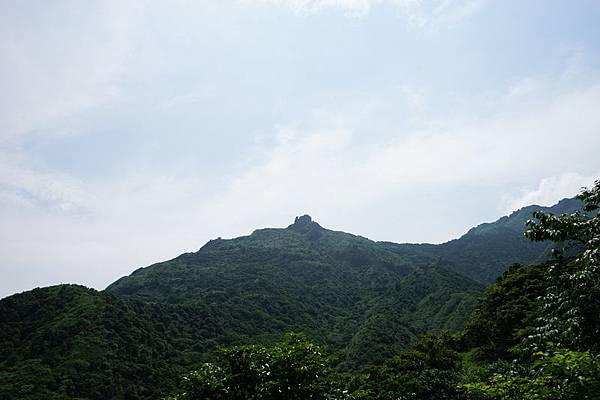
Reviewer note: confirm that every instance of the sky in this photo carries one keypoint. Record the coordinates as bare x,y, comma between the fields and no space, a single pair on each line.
134,131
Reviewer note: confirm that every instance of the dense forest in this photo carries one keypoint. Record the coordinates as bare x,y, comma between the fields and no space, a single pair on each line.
305,312
532,335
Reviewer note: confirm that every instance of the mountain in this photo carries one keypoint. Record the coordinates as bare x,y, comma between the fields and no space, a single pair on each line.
68,341
486,251
365,300
347,290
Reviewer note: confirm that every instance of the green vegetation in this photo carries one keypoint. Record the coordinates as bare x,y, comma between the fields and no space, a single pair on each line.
547,317
291,369
485,252
363,301
72,342
428,370
367,303
507,312
559,359
559,374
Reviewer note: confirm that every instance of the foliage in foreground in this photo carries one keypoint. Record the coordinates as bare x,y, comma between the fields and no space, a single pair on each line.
559,374
428,370
291,369
560,358
297,369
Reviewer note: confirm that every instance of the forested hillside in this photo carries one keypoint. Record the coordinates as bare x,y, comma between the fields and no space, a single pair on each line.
68,341
365,301
532,336
486,251
345,289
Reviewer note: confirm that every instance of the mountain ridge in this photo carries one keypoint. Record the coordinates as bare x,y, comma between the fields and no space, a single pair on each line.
365,300
515,222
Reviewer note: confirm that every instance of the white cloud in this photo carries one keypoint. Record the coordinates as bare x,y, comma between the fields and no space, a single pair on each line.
353,7
417,12
47,74
451,12
552,189
327,166
355,162
31,188
330,163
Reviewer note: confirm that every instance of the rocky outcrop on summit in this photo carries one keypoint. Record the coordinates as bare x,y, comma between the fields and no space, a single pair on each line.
305,225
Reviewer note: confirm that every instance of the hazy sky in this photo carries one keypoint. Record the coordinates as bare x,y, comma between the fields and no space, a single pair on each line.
133,131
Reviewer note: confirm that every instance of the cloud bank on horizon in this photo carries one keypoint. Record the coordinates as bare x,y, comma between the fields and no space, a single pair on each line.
131,131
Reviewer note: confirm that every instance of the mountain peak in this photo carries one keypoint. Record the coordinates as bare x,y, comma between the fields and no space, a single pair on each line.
304,224
303,220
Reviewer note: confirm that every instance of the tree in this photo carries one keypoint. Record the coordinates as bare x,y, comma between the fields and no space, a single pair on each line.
560,374
293,369
560,359
571,316
506,312
428,370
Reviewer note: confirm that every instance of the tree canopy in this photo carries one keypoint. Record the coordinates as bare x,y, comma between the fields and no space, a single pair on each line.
559,359
292,369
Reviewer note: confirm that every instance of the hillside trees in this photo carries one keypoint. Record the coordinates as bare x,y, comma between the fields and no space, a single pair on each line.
297,369
560,358
559,374
506,313
367,301
427,370
292,369
571,316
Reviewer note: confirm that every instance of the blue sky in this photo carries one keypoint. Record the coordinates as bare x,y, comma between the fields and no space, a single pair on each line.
133,131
